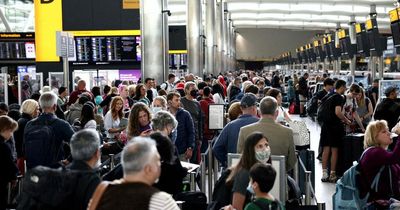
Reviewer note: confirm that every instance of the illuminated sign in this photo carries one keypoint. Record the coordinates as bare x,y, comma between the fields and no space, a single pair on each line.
393,15
316,43
130,4
358,28
369,24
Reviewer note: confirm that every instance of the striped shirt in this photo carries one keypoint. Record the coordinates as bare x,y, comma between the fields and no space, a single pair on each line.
162,201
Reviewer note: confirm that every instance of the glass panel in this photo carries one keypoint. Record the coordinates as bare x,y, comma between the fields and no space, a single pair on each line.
56,80
3,88
29,86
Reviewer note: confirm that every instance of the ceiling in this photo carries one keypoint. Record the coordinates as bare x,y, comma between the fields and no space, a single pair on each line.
294,14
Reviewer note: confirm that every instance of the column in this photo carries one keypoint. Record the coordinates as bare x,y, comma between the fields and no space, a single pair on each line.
218,36
154,34
193,30
211,43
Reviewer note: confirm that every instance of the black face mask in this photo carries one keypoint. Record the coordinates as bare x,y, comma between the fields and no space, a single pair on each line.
194,93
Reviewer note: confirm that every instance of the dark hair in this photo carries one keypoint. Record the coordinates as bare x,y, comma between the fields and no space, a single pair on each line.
201,85
264,175
137,92
83,99
171,96
217,88
96,91
133,128
7,123
106,89
148,79
244,79
376,81
170,76
61,90
3,106
251,89
87,113
14,114
273,92
35,96
206,91
248,158
265,91
329,81
340,83
164,147
355,88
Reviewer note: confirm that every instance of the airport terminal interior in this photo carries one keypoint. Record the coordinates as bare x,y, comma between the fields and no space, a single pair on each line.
199,104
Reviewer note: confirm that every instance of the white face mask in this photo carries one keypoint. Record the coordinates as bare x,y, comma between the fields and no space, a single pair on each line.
156,109
263,155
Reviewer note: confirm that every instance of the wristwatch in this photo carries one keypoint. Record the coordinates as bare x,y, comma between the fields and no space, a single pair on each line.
189,148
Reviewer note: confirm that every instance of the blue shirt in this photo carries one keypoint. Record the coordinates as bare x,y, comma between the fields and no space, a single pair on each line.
227,140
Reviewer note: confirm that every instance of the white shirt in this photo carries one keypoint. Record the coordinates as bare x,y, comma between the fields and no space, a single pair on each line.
281,115
217,98
91,124
169,87
110,123
162,201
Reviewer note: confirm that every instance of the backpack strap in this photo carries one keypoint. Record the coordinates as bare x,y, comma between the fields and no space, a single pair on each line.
94,201
274,205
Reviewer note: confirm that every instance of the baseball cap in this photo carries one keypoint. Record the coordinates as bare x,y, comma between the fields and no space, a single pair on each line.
248,100
180,86
390,89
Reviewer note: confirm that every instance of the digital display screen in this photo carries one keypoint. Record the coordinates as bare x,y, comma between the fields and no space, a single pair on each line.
17,50
107,49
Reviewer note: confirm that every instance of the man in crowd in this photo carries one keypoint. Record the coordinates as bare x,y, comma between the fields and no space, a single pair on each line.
142,168
85,151
190,104
185,139
388,109
227,140
75,94
151,91
169,85
44,135
280,138
332,131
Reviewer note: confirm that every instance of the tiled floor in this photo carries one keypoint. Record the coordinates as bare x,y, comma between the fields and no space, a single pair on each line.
323,191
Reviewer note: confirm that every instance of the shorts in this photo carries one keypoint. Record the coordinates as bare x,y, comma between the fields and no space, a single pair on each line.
302,99
332,135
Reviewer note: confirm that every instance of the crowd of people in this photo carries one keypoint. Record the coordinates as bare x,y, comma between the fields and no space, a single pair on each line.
157,126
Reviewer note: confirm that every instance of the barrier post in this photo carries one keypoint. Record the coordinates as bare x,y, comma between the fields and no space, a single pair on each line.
9,187
296,168
203,172
215,171
192,181
308,188
112,163
210,169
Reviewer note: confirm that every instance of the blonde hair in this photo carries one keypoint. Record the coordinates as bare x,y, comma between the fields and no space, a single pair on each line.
361,102
113,90
372,131
29,106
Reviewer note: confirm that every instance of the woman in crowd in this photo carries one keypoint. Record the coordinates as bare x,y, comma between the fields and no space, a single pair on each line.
234,111
140,94
376,142
9,168
106,91
87,119
172,172
105,104
113,118
97,99
256,150
131,91
62,98
139,120
283,116
364,109
159,104
29,110
218,94
123,92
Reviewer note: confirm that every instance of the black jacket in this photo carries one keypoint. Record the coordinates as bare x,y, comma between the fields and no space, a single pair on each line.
88,183
19,134
389,110
8,167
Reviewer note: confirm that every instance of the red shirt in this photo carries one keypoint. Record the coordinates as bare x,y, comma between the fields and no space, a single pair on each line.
208,134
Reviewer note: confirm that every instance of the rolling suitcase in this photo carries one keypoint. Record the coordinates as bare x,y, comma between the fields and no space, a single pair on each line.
308,159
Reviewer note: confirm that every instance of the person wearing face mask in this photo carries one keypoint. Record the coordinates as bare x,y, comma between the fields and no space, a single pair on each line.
85,151
159,104
262,179
190,104
256,150
141,167
9,168
205,103
280,137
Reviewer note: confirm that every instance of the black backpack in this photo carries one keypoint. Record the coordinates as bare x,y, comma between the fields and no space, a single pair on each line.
47,189
312,105
192,200
41,144
324,112
222,194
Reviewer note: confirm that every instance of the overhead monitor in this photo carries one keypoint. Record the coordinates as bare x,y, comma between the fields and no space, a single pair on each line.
17,46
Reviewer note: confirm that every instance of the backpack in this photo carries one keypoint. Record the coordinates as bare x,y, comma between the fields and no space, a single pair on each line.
347,195
324,111
192,200
222,194
312,105
41,145
47,189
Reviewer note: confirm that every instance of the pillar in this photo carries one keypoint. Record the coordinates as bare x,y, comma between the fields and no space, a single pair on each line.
210,34
218,36
194,27
154,35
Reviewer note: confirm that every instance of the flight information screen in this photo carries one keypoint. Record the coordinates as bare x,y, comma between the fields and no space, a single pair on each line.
107,49
17,46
